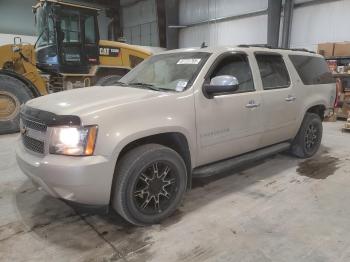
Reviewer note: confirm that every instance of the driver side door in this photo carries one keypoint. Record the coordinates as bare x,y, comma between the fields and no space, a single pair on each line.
229,124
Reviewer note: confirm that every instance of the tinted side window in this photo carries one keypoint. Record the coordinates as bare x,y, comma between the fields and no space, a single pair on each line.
312,70
273,71
237,66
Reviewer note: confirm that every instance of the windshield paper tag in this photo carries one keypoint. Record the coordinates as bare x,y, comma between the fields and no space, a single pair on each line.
180,86
190,61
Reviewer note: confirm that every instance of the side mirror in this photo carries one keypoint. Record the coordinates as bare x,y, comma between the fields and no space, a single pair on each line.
221,85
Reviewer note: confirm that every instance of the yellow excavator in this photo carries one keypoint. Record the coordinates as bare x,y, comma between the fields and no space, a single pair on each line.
68,54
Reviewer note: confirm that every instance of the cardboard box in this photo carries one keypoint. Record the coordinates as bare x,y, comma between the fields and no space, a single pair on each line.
342,49
325,49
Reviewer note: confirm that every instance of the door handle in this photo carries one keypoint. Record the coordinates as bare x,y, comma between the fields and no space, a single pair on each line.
252,104
290,98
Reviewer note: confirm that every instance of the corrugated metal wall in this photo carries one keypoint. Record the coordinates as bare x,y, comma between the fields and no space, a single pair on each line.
139,22
311,24
314,24
245,30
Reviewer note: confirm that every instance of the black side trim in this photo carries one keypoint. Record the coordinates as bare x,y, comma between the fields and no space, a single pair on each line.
239,161
27,82
48,118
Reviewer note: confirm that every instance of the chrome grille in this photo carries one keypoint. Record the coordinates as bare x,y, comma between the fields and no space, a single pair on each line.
33,124
33,144
33,134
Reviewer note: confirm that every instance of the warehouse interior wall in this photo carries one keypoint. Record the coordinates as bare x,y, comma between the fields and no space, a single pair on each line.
139,22
320,23
314,23
238,31
251,30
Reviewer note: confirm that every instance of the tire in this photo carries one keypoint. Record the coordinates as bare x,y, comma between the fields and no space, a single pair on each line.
308,140
13,93
108,80
137,186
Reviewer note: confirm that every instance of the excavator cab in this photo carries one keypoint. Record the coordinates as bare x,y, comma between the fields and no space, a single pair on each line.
68,37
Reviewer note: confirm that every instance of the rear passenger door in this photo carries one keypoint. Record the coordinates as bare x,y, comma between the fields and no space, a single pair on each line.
278,98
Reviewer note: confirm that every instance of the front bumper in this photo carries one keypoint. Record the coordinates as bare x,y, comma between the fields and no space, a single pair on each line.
84,180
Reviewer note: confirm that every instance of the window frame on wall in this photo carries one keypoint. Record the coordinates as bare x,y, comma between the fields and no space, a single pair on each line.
285,69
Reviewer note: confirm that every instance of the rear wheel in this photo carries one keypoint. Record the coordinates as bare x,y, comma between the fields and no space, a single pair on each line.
108,80
13,93
150,183
308,139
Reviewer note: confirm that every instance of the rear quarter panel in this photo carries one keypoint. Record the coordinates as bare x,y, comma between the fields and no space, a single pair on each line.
310,95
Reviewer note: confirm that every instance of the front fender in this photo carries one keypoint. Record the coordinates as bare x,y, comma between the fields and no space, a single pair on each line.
150,132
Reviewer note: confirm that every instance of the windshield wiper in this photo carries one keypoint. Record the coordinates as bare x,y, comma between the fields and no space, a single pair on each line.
121,83
145,85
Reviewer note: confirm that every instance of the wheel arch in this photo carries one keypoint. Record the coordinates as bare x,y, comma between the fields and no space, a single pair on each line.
174,140
31,87
318,109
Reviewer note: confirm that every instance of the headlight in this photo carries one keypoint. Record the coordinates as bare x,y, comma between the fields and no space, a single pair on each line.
73,141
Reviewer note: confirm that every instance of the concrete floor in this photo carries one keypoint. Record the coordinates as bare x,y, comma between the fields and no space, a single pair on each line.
281,209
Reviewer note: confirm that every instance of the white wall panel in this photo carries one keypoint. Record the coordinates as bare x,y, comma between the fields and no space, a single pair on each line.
192,11
320,23
251,30
238,31
8,39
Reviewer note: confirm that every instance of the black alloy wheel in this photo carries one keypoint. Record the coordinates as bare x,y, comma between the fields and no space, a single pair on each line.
308,140
155,187
150,182
311,137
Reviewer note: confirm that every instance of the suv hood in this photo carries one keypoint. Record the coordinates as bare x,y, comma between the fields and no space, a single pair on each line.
85,100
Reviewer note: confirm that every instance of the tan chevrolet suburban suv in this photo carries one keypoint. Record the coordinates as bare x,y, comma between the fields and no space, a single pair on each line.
135,146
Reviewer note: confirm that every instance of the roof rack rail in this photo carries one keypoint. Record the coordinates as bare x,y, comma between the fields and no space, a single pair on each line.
256,45
302,49
281,48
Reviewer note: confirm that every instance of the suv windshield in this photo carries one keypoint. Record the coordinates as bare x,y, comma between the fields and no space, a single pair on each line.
173,72
44,27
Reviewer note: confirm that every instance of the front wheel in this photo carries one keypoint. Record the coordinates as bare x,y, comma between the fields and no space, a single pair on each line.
308,139
150,183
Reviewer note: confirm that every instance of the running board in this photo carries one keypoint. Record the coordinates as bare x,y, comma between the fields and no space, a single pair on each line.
238,161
